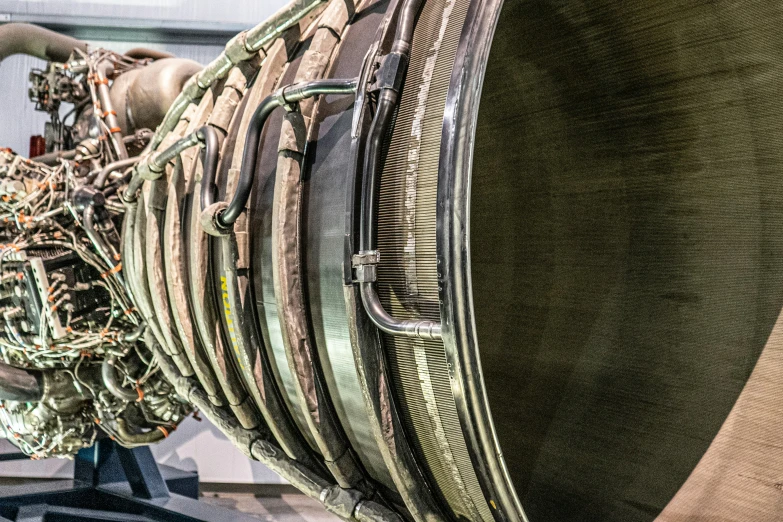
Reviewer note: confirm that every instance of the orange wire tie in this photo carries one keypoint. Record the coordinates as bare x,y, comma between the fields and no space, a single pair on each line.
115,129
140,392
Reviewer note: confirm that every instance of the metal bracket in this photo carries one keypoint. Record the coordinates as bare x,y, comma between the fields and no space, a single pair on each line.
366,74
365,265
390,73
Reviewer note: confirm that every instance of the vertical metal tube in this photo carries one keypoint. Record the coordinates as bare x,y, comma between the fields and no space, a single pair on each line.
109,115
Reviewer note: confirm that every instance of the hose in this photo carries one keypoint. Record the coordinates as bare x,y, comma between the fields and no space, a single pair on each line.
125,436
109,376
285,96
136,334
36,41
390,82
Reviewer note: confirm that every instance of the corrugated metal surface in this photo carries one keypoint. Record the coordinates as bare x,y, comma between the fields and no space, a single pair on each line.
407,276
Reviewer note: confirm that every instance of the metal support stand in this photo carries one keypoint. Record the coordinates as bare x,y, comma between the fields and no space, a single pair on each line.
113,484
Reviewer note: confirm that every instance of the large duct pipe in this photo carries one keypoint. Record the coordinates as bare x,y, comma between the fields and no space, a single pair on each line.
140,53
141,97
19,38
18,384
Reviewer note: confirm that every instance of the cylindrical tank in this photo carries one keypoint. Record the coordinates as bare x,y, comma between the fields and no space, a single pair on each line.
585,198
141,97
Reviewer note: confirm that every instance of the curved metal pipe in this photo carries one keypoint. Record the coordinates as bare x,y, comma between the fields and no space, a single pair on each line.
254,39
53,158
210,156
148,437
103,175
405,26
287,95
284,96
19,384
109,376
104,70
421,328
36,41
390,82
136,334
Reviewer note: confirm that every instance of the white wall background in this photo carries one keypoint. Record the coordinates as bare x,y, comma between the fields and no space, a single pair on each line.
214,11
195,445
